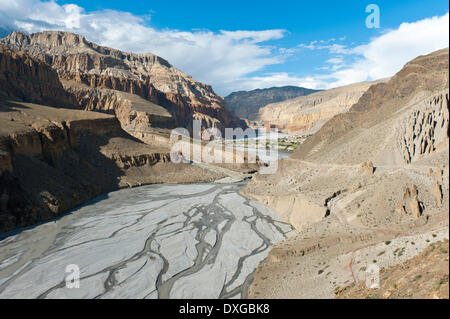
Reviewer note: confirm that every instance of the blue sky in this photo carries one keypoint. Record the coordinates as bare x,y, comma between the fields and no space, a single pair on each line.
238,45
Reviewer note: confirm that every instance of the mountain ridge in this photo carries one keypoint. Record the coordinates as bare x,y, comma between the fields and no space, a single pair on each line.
55,156
246,104
367,183
151,77
306,114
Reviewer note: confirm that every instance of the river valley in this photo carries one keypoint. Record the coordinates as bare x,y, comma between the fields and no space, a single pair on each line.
157,241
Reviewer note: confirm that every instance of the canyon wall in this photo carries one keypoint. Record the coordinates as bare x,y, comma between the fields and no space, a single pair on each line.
368,177
425,128
246,104
145,75
419,80
55,158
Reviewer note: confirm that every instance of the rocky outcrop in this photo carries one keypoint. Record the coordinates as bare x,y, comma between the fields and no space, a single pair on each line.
437,187
436,190
398,130
145,75
246,104
411,200
306,114
400,209
53,159
295,210
423,277
367,168
137,116
27,78
69,172
415,207
425,128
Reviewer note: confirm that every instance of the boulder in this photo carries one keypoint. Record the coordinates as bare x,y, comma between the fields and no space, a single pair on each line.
415,207
436,190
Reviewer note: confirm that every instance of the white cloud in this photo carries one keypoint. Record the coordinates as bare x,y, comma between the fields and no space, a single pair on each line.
387,54
336,63
325,44
381,57
228,60
216,58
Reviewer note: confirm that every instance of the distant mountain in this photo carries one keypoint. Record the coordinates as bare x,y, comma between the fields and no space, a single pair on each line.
246,104
381,167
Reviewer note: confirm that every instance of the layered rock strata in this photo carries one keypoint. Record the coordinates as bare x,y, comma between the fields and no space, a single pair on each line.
145,75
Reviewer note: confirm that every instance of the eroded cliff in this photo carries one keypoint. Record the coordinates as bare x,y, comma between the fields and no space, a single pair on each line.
25,77
146,75
366,184
55,158
246,104
307,114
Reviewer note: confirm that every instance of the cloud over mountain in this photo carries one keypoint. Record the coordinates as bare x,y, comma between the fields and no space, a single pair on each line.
232,60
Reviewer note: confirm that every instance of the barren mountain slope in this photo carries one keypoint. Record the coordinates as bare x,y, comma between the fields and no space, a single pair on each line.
246,104
419,81
82,62
25,77
376,173
306,114
53,159
424,276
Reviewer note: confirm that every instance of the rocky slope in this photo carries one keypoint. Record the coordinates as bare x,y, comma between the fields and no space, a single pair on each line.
421,81
5,31
423,277
306,114
25,77
84,66
53,159
372,174
246,104
139,117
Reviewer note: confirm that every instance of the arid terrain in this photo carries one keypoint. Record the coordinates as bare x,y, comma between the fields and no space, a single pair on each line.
306,114
96,76
369,183
246,104
422,277
366,188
